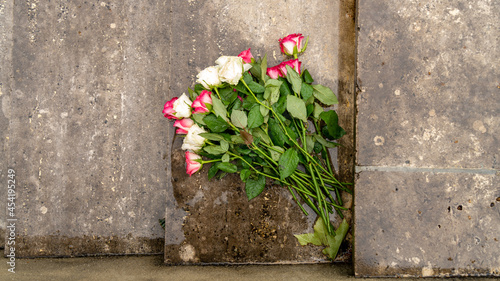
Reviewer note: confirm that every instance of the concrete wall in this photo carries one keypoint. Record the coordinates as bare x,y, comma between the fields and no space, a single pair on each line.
83,86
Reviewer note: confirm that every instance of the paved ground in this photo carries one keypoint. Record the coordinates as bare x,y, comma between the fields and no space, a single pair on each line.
152,268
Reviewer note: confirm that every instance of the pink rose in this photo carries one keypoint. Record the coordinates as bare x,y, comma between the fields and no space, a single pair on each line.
200,103
183,126
192,166
295,64
168,109
274,72
246,56
288,44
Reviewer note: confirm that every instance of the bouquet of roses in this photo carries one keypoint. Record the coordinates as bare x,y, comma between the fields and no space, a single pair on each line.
266,123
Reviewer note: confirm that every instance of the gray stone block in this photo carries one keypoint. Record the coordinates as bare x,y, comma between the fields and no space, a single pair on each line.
86,136
427,224
427,139
428,78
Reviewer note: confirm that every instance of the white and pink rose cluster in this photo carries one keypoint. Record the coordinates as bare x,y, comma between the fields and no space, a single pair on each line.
228,69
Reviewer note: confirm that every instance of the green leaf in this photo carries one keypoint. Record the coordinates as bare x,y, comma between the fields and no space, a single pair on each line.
227,167
255,118
307,238
256,70
310,143
192,94
247,77
254,187
259,133
307,77
212,136
237,139
244,174
277,135
275,155
219,107
214,149
263,68
280,106
198,118
162,222
324,95
322,237
272,92
284,89
256,88
213,170
296,107
325,143
288,163
249,102
310,109
318,109
334,241
332,130
293,77
239,119
198,88
225,158
227,95
306,91
215,124
224,145
264,110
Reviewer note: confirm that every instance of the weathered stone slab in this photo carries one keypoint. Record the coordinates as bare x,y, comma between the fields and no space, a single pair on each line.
86,137
427,224
427,138
212,221
5,73
429,73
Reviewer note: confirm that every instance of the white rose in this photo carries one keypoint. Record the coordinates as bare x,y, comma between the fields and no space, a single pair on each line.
231,69
182,107
209,77
193,141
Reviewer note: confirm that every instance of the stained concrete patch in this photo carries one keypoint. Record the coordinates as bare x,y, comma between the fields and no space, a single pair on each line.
213,222
427,139
427,224
86,137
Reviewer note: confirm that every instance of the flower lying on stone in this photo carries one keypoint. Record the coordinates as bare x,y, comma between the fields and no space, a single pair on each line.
183,125
263,127
200,104
292,44
192,166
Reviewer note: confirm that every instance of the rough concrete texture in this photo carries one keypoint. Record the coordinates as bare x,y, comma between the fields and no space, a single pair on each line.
5,74
427,138
86,138
211,221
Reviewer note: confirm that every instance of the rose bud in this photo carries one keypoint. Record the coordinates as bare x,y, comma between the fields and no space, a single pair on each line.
192,166
289,43
193,141
183,125
168,109
246,56
178,108
295,64
200,103
209,77
231,69
274,72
